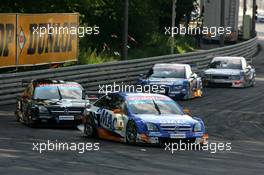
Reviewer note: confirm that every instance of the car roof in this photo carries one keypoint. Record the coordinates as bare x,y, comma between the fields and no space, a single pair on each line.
47,82
260,13
171,65
228,58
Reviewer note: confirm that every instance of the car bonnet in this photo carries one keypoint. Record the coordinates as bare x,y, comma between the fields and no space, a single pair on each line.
166,119
166,81
223,71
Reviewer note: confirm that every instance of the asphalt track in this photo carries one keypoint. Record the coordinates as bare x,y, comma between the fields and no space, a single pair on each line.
230,115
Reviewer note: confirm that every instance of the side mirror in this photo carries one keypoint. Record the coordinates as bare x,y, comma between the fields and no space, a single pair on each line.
194,75
118,111
187,111
92,97
142,75
249,67
84,95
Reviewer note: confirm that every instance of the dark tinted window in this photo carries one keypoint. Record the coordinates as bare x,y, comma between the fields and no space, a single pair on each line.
111,102
226,64
119,103
58,92
46,92
155,106
168,72
70,92
104,102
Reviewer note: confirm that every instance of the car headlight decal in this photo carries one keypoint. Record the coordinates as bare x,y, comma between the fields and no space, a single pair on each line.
177,87
152,127
206,76
197,127
43,109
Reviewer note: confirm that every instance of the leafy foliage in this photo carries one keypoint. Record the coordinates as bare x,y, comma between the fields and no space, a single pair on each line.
147,19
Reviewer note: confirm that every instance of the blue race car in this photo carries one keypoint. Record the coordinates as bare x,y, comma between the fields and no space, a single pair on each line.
177,80
141,118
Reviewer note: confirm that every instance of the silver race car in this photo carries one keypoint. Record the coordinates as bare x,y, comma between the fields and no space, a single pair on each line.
229,71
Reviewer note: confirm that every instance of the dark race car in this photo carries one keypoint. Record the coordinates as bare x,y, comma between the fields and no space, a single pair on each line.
54,101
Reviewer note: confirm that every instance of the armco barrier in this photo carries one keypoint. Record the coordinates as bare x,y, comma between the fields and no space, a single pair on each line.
91,76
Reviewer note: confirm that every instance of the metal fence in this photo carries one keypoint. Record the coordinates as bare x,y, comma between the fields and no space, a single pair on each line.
91,76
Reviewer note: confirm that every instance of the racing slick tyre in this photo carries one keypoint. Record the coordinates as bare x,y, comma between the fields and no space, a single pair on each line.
89,129
131,133
18,116
18,112
189,93
31,123
253,82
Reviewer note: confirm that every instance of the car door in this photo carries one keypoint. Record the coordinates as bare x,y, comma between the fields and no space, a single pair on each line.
106,116
247,75
192,80
247,70
98,108
103,112
119,115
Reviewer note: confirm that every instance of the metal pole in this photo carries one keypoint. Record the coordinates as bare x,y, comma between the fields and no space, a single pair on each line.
173,16
253,34
16,39
244,14
222,22
244,8
125,31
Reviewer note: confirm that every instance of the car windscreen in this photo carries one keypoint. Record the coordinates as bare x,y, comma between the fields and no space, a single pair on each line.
226,64
58,92
163,72
261,14
155,106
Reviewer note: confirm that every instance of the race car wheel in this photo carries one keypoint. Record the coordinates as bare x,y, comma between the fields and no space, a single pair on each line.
89,129
189,93
31,123
253,82
18,112
18,115
131,133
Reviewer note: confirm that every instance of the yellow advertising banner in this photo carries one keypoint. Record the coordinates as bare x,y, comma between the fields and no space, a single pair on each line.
7,40
47,38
